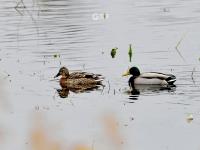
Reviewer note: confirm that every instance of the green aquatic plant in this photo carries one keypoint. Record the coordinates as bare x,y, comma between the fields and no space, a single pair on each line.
113,52
56,55
130,52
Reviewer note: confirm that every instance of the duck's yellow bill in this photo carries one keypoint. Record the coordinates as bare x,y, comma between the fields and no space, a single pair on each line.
126,73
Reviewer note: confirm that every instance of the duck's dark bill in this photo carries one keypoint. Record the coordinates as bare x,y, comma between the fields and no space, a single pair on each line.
57,75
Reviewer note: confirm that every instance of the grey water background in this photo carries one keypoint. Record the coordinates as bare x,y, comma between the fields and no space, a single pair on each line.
38,37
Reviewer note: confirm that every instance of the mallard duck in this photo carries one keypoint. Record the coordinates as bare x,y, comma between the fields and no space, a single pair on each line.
149,78
78,80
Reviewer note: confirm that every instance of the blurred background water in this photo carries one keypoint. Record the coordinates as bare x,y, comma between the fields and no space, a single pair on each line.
37,37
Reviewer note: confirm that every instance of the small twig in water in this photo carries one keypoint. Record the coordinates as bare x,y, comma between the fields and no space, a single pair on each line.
179,42
181,55
19,11
21,4
102,89
83,66
108,87
177,45
54,96
18,6
192,75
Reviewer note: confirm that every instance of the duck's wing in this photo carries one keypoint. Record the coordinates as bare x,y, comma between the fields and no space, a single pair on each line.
156,75
167,77
77,75
81,83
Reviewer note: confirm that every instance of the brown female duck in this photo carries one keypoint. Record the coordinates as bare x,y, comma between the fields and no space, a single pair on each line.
78,80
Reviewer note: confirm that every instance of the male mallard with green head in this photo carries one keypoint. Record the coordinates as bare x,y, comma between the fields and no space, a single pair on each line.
78,80
149,78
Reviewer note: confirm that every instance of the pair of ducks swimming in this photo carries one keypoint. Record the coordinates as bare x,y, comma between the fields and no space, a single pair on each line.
85,81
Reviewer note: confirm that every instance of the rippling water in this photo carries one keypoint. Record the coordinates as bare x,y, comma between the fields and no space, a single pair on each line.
38,37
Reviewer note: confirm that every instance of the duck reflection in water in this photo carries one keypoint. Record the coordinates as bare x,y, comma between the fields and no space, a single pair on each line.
64,92
149,82
77,82
136,90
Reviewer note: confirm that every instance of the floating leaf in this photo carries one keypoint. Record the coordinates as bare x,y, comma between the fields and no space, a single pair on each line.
56,55
189,118
130,52
113,52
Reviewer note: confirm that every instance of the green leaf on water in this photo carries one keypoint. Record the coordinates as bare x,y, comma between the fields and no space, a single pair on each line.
56,55
113,52
189,118
130,52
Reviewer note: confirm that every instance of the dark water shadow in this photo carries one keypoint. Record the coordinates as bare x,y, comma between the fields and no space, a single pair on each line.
65,91
138,90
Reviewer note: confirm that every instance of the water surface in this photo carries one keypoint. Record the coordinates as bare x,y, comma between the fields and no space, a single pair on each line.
38,37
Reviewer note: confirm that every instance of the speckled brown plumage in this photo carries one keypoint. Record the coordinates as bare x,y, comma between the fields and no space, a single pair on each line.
79,80
76,75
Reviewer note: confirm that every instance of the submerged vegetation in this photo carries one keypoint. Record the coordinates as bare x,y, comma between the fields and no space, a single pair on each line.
56,55
130,53
113,52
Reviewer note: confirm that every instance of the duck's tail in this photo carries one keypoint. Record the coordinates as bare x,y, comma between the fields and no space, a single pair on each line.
170,80
99,81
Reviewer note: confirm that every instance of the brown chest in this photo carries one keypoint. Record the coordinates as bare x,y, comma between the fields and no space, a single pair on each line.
63,82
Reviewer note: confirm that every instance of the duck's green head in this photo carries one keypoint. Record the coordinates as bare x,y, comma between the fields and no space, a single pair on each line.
64,72
132,71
